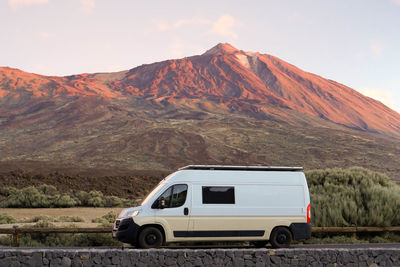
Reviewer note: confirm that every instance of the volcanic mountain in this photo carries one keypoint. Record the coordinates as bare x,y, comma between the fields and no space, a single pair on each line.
224,106
223,77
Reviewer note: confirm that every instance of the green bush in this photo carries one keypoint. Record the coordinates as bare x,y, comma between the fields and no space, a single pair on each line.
353,197
340,239
106,219
7,191
113,201
47,196
48,189
64,201
5,241
6,219
41,218
62,240
27,197
47,219
43,224
69,219
96,199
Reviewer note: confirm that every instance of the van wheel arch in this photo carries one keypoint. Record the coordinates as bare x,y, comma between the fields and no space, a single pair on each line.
159,227
284,230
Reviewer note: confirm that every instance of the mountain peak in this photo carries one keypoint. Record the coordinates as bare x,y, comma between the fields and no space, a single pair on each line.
224,48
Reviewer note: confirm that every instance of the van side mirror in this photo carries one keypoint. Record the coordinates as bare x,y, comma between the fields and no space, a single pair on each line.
159,204
162,204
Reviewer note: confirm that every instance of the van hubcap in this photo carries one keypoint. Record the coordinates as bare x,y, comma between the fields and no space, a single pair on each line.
151,239
282,238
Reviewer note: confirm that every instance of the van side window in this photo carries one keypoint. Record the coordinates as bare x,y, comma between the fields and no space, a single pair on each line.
218,195
174,196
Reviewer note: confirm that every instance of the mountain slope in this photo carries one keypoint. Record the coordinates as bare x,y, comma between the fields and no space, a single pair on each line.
225,106
252,82
223,78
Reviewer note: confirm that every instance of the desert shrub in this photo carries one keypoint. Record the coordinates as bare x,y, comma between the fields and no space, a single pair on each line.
64,201
82,198
113,201
96,199
106,219
379,239
47,196
62,240
94,240
28,197
41,218
5,240
353,197
7,191
48,189
69,219
44,224
6,218
340,239
91,199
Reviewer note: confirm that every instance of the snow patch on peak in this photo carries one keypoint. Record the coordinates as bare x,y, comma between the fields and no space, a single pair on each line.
252,54
243,60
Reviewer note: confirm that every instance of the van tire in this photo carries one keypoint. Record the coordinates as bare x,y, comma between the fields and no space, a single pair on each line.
150,237
281,237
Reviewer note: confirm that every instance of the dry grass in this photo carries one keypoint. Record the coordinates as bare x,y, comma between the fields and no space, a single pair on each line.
88,214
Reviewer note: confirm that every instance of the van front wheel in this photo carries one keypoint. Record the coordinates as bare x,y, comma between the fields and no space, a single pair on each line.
281,237
150,237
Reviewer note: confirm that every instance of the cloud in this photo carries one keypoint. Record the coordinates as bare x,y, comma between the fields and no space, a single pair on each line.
23,3
43,35
165,26
195,21
385,96
376,48
176,49
223,26
303,19
87,6
180,48
396,2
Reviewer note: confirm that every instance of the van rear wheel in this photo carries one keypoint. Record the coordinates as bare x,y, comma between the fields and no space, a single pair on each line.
150,237
281,237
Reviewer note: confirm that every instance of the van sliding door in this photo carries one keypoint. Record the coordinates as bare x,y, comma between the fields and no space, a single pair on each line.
215,215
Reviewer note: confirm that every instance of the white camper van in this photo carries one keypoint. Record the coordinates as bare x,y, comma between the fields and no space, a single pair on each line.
221,203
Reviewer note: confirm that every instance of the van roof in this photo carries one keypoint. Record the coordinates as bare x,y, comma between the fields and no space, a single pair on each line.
240,168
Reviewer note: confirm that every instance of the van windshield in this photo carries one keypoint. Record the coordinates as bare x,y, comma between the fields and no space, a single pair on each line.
151,194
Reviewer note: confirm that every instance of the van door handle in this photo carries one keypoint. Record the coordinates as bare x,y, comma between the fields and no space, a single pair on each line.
186,211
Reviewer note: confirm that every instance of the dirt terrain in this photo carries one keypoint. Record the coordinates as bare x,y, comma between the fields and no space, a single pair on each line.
131,186
226,106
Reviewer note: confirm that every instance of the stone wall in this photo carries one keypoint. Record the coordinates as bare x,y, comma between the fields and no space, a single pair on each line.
199,257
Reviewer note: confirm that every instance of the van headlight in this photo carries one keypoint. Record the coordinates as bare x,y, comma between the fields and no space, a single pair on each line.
133,213
128,213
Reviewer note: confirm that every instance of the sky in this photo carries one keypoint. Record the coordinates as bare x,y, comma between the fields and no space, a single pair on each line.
356,43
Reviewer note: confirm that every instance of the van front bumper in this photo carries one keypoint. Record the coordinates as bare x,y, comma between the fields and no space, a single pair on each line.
301,230
126,230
